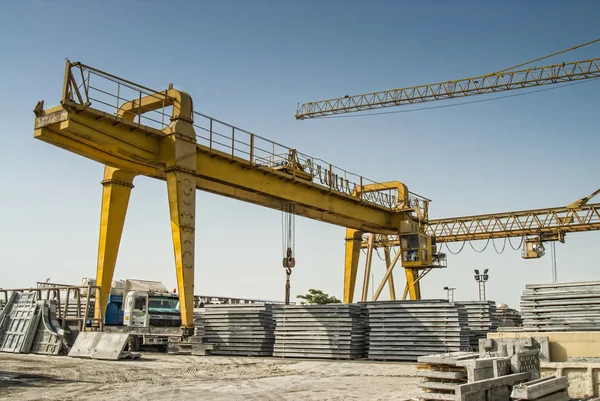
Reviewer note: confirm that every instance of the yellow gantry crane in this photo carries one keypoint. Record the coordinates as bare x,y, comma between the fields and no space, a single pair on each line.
534,227
134,130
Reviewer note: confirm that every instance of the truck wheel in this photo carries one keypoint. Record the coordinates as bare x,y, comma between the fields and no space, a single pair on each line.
133,344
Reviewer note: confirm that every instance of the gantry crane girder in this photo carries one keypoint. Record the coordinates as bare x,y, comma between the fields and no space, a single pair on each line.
211,161
479,85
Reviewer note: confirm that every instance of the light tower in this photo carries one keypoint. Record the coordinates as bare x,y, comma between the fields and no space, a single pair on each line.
481,280
450,293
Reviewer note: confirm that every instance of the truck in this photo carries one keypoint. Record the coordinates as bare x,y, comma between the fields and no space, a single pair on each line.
146,310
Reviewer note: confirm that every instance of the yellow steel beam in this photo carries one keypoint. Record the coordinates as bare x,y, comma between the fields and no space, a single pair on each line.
117,185
95,135
392,288
413,283
480,85
353,239
542,222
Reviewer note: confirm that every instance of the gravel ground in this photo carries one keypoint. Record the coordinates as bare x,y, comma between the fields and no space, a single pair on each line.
167,377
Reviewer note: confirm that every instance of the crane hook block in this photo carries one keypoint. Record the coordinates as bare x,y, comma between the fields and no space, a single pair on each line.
289,261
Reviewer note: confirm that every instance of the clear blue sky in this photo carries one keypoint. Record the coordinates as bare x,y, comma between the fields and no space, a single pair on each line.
249,63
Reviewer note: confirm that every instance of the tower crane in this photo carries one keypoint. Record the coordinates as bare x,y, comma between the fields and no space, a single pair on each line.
535,226
500,81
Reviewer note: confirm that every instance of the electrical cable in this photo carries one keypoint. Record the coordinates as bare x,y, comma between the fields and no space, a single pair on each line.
449,250
503,246
484,248
517,248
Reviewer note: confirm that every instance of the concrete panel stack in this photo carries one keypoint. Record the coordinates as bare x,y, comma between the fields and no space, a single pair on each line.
547,389
508,317
561,307
242,329
406,330
441,375
319,331
482,320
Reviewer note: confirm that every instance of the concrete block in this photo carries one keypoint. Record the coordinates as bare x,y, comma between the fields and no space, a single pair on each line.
535,389
110,346
434,374
501,366
438,385
495,389
447,358
478,369
562,395
84,344
526,361
99,345
508,344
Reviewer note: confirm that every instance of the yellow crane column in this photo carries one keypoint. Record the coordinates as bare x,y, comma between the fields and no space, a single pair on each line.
181,186
353,245
117,185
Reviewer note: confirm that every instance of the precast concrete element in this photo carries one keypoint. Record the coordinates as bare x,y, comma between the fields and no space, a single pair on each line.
499,345
49,336
100,345
563,346
551,387
334,331
482,320
494,389
19,323
407,330
561,306
441,375
583,377
242,329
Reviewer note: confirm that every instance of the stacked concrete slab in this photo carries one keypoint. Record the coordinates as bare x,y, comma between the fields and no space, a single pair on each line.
482,320
508,317
237,329
440,374
406,330
561,306
333,331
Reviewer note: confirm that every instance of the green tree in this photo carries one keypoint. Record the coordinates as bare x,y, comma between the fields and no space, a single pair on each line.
318,297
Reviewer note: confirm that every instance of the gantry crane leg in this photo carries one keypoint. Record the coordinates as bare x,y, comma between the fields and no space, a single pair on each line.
117,185
388,262
353,244
413,285
180,152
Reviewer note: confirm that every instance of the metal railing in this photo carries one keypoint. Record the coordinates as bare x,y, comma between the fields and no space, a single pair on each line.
75,304
86,86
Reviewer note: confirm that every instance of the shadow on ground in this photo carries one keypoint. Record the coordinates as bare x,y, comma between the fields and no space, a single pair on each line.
18,379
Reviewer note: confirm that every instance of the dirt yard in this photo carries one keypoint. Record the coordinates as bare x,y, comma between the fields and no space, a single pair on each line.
166,377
